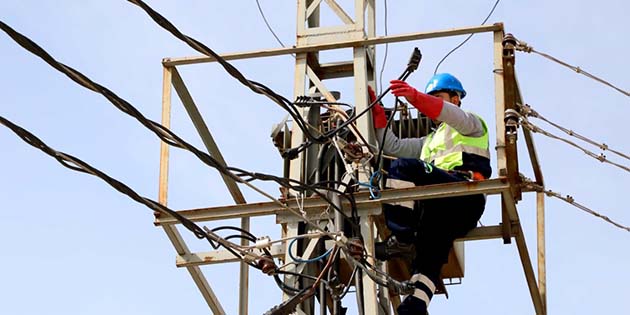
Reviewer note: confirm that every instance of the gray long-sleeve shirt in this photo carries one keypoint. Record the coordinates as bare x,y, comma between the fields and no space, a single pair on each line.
464,122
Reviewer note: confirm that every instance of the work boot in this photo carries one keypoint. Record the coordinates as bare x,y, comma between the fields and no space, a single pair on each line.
392,248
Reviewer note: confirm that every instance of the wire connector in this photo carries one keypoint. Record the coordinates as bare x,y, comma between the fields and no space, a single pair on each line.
263,242
414,60
341,239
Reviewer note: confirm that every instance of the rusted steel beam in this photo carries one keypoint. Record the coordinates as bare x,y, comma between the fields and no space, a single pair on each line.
338,44
363,201
511,120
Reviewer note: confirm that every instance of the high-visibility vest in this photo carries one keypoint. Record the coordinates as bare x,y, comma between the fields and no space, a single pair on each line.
444,147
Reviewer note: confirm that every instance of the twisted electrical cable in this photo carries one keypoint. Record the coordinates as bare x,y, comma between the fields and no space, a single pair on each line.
166,134
233,71
78,165
254,86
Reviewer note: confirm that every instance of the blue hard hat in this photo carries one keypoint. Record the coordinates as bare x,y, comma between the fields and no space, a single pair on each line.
445,82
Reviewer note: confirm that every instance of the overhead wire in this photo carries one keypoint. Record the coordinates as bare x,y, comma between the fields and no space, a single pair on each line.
327,104
380,77
262,14
529,111
600,157
166,135
170,137
569,199
210,235
254,86
524,47
78,165
467,38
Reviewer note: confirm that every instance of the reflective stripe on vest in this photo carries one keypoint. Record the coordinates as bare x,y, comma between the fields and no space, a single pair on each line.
444,147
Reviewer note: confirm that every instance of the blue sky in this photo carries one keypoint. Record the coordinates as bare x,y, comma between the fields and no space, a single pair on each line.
72,245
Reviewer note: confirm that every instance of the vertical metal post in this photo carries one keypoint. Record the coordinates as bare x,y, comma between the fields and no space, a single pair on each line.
243,283
213,150
171,231
510,94
542,270
291,231
164,147
358,284
370,301
499,94
322,299
499,105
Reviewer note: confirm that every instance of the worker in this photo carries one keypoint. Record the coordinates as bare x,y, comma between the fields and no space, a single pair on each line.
456,151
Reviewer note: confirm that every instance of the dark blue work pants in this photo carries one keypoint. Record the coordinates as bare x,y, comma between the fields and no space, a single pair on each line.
436,222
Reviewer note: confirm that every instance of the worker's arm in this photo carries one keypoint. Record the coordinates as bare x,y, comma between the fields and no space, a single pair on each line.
402,148
464,122
438,109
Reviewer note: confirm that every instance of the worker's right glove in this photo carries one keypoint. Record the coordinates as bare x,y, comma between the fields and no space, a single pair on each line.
427,104
378,112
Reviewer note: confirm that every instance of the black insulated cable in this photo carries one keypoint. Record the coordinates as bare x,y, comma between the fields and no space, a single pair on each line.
235,73
162,132
78,165
467,38
412,65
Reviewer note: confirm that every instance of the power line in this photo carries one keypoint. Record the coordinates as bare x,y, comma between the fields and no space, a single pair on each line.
169,137
529,111
380,77
78,165
252,85
523,46
242,253
569,199
258,87
600,157
262,14
467,38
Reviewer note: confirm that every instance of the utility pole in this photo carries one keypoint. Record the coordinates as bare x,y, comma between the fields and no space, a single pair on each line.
357,32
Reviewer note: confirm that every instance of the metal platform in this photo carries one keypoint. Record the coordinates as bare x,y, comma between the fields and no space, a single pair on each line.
357,33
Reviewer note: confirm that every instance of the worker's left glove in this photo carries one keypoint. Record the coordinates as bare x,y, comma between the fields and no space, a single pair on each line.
378,112
429,105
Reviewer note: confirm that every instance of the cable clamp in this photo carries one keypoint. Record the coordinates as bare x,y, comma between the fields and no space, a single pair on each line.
262,242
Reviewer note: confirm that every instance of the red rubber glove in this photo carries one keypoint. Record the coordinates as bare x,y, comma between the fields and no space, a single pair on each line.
378,112
429,105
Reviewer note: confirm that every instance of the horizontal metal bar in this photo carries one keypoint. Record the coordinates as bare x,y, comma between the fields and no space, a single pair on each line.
218,257
335,70
340,44
483,233
278,251
491,186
